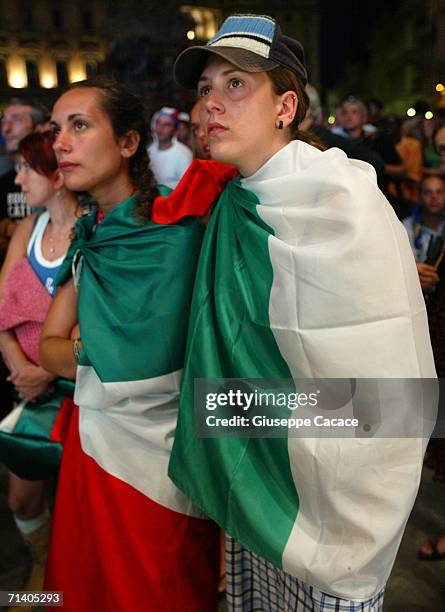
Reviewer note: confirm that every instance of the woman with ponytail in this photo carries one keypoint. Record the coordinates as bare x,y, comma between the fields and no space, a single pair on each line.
123,536
304,273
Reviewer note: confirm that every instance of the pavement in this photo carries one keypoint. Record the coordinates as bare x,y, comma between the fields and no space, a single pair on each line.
414,586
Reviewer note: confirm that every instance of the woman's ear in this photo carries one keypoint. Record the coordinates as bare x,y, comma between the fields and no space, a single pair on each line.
288,108
129,143
58,180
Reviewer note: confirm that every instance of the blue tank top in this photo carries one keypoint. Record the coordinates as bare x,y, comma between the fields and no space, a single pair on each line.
46,270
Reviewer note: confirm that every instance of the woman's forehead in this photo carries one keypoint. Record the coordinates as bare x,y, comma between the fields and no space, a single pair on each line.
216,64
84,100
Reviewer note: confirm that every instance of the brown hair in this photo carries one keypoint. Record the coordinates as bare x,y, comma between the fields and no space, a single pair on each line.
126,112
284,80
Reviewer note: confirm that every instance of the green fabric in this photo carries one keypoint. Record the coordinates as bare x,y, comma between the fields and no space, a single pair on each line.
28,451
431,157
245,485
135,291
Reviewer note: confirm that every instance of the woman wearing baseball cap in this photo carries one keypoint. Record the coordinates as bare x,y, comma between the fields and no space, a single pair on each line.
305,273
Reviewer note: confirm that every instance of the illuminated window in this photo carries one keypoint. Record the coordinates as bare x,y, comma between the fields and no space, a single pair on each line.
207,20
16,69
76,69
48,73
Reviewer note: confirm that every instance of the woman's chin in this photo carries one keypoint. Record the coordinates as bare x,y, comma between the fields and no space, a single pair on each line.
74,184
219,154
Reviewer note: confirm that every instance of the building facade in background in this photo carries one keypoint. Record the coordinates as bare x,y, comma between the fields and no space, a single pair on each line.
45,44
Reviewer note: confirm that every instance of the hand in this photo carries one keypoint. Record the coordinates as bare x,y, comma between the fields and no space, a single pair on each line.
427,275
30,381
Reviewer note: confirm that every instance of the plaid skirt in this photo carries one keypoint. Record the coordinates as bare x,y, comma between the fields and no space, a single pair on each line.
255,585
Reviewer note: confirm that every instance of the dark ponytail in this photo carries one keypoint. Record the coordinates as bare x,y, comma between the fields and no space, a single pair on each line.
126,112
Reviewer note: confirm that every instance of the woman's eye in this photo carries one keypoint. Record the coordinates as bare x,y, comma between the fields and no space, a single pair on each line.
236,83
25,166
79,125
204,91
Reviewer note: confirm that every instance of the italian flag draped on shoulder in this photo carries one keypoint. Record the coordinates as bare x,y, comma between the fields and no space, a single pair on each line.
306,272
122,532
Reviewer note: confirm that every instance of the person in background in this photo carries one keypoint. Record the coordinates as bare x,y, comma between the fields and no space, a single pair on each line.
183,131
200,143
424,130
337,128
405,189
6,162
353,118
169,159
374,108
331,138
34,257
19,119
427,222
439,145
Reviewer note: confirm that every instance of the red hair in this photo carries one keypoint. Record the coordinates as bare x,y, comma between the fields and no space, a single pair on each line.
37,149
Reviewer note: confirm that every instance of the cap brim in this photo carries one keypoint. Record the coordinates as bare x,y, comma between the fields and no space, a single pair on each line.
190,63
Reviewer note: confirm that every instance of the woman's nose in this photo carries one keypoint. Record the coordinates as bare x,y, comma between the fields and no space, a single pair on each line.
19,177
213,102
61,142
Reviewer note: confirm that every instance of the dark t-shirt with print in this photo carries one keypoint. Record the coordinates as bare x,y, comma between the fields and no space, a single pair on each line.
12,202
12,208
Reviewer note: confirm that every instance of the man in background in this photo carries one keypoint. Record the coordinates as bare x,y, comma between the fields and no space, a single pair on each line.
18,120
183,130
169,159
426,224
200,144
353,119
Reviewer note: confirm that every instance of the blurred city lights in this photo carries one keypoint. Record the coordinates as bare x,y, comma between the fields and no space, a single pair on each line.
16,70
191,35
48,81
429,115
331,119
411,112
440,87
76,70
47,72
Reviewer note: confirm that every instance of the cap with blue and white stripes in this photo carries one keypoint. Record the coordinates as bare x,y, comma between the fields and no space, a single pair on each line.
251,42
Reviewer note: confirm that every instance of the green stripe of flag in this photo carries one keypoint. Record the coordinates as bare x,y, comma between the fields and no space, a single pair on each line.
135,292
230,311
27,450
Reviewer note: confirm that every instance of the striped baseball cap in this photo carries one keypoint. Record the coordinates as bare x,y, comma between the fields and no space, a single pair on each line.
253,43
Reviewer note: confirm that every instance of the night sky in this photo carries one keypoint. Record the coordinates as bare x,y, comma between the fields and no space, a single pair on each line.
345,29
